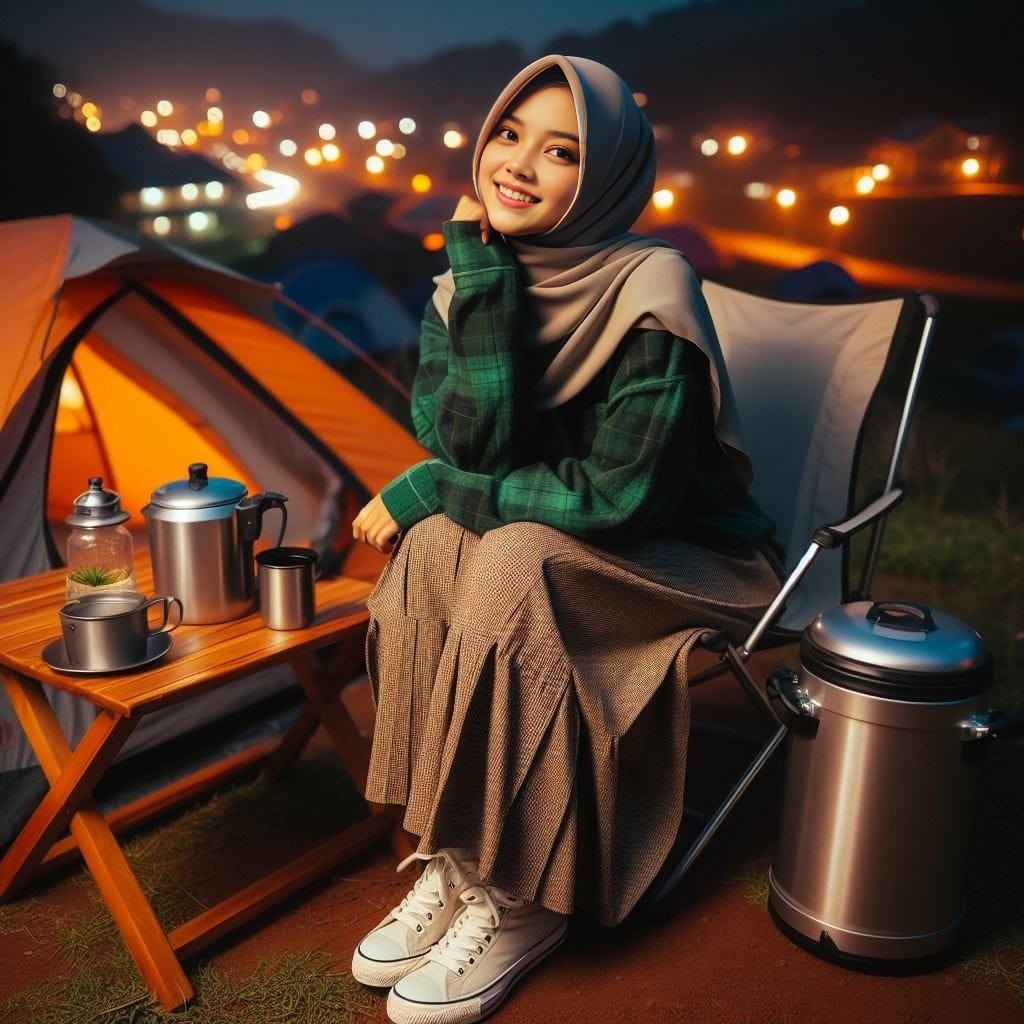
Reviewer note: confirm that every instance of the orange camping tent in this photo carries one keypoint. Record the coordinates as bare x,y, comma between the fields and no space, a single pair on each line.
128,359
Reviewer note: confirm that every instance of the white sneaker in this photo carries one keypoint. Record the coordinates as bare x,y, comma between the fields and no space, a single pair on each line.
399,944
491,944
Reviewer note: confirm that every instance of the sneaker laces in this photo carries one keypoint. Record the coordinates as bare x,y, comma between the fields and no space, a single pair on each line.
473,928
426,897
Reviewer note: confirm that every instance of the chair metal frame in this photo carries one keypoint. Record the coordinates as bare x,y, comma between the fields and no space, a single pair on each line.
765,633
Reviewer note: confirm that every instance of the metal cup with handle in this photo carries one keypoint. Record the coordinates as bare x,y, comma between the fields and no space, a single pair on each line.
108,632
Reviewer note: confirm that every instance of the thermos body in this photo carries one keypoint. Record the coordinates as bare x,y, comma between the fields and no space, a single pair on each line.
887,718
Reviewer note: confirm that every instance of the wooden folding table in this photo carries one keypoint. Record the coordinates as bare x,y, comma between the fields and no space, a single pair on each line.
323,656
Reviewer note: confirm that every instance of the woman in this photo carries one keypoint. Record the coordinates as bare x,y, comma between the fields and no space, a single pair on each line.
584,518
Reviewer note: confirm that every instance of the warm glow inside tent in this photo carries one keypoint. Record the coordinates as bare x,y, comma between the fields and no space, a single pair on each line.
129,360
99,411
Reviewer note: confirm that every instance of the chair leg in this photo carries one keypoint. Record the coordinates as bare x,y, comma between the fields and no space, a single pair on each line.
662,886
737,662
667,879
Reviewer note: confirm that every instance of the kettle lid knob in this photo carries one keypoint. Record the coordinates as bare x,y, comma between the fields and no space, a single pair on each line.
198,476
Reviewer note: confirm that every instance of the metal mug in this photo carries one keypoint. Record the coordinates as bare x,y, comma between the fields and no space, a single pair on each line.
108,632
285,581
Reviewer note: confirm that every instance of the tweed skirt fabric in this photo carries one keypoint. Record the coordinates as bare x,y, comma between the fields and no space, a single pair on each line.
532,700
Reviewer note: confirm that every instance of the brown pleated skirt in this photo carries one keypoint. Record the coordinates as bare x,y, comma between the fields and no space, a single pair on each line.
532,700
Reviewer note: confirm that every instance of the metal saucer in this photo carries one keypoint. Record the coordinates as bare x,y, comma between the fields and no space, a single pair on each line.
55,655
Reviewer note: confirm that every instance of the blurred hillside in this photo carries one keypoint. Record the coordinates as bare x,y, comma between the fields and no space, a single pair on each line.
846,72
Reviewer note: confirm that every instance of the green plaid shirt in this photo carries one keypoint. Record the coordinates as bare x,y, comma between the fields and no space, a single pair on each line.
633,455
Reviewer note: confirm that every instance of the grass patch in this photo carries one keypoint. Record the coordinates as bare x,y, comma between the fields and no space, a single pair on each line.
970,567
993,933
956,543
305,986
754,879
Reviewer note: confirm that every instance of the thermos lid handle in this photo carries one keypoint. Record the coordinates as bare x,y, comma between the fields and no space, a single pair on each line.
902,615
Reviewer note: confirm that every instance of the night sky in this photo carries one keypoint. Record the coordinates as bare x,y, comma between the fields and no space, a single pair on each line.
388,32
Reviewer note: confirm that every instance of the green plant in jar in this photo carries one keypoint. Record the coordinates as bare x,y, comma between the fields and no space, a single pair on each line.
94,576
99,547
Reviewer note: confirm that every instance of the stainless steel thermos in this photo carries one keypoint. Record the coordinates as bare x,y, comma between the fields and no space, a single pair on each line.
886,719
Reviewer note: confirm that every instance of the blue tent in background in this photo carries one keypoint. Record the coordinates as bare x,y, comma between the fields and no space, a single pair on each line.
351,301
699,252
819,280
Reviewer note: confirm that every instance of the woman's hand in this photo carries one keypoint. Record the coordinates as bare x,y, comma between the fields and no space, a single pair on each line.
472,209
374,526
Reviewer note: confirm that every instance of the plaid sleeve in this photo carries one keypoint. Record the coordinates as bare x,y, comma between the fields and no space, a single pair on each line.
466,392
634,475
432,369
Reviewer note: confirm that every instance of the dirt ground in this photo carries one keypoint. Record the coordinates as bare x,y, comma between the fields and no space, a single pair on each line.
718,959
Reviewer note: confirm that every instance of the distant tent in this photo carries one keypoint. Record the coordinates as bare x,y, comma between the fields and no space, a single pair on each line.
420,215
693,245
139,161
325,234
819,280
397,261
350,300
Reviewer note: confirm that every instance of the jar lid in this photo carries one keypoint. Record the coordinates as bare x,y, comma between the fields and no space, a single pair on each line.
97,507
897,650
198,491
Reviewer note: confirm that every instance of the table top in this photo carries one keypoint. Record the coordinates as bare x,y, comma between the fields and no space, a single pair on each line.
201,657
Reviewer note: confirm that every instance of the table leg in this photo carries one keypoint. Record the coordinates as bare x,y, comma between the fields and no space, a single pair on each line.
92,757
120,889
322,693
321,688
291,743
331,679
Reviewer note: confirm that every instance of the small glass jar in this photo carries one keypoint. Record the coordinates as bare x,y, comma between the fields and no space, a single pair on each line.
99,547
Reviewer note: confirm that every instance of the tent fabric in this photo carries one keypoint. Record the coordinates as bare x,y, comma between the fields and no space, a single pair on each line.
126,358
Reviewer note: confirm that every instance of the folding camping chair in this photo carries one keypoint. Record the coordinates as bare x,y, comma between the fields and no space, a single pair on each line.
809,379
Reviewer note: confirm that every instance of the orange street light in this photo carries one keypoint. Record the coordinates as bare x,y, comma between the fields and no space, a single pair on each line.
736,145
663,199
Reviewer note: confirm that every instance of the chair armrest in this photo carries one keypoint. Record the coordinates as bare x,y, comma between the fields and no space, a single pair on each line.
833,534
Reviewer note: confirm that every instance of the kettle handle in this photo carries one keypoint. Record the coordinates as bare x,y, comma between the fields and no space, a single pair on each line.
250,514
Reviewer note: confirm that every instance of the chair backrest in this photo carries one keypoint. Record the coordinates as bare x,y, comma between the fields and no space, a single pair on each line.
804,376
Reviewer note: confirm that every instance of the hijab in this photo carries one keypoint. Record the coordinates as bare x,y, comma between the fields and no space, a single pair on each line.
588,280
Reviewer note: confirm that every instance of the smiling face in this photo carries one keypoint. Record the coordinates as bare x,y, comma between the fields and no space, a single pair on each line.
530,166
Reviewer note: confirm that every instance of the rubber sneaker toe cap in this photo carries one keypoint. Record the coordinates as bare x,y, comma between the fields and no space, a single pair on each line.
382,947
422,986
381,959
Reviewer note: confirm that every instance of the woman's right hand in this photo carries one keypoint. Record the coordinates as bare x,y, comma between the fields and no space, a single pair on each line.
470,208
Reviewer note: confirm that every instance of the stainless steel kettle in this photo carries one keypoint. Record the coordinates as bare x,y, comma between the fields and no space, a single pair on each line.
201,535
